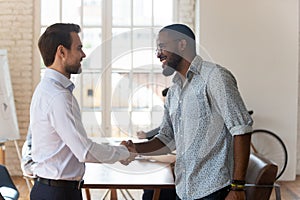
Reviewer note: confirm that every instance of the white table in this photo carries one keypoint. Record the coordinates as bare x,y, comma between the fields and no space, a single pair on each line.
139,174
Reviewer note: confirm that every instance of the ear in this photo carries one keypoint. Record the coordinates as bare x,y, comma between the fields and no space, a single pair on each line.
60,51
182,44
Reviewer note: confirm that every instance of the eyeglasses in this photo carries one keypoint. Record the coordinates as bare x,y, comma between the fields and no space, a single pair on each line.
162,46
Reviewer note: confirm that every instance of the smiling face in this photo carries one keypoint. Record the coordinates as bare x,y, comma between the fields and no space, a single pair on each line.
74,56
167,50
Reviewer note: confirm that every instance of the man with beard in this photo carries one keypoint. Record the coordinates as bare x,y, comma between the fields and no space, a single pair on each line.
60,145
205,120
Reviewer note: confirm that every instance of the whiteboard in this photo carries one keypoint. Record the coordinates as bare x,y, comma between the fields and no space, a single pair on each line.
9,129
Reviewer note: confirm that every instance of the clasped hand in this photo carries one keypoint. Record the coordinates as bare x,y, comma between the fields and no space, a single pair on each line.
131,148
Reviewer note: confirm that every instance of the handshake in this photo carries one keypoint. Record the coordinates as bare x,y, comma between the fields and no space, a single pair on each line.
132,150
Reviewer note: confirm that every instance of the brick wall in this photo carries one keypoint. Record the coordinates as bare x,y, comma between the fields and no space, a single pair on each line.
16,35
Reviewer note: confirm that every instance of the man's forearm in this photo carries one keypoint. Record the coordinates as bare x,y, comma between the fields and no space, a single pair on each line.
152,147
241,156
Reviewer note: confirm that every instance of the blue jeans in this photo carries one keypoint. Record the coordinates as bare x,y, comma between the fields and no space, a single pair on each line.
218,195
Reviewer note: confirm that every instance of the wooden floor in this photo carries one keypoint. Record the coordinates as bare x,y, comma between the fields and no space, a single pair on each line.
290,190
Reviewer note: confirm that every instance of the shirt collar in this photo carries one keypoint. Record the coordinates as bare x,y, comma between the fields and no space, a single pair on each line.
59,78
194,68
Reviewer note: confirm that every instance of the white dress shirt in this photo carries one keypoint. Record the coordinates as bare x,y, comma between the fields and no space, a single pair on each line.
60,145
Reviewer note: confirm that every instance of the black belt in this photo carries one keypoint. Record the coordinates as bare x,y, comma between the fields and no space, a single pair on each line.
61,183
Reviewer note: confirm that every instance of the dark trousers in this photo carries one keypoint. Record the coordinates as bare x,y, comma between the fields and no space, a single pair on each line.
165,194
42,191
218,195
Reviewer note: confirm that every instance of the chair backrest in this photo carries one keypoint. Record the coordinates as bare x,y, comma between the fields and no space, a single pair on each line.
261,171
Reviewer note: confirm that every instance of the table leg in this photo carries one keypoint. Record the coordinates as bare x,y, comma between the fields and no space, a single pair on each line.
156,194
87,194
113,194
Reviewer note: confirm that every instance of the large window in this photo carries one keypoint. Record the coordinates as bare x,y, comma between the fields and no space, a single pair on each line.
119,89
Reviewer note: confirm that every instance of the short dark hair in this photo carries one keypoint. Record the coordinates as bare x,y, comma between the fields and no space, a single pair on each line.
55,35
181,31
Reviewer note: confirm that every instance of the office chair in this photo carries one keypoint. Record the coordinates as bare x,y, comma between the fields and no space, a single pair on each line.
8,189
260,178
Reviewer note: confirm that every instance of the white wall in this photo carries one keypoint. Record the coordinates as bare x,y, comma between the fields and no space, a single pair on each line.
258,41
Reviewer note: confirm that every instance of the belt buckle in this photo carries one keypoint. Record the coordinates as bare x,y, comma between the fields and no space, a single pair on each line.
80,184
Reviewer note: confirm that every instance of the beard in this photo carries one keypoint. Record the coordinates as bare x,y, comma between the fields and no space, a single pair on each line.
73,69
174,61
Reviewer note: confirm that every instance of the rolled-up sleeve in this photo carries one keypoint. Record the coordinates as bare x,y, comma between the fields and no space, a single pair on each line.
223,89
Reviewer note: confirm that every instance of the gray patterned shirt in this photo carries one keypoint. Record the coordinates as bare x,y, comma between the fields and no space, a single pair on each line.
202,114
